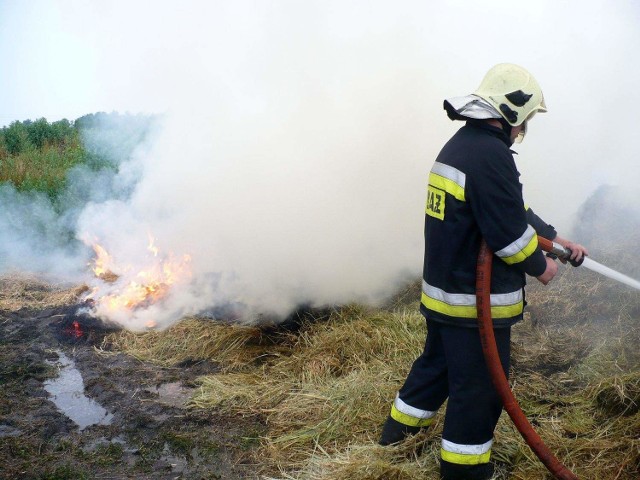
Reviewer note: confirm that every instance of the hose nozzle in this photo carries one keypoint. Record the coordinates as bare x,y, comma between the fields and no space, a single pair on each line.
555,250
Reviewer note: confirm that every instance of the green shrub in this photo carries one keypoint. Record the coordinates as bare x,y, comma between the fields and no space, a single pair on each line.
37,155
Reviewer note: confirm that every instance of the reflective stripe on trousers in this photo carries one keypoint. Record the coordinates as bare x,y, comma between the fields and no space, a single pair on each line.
465,454
410,416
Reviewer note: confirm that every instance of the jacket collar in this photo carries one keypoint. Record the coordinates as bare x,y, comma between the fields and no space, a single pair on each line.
495,131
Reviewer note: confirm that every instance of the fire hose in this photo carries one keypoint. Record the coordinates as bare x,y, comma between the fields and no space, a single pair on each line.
490,350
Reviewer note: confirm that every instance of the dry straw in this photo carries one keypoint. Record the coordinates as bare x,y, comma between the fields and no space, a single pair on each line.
18,291
324,390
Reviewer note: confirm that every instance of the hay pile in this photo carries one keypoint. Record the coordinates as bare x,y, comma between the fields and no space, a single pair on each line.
325,390
20,290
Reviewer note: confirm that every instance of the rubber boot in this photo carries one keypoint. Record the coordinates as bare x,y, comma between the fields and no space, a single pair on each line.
394,431
453,471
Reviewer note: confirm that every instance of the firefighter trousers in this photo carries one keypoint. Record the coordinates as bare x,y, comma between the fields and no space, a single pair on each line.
452,366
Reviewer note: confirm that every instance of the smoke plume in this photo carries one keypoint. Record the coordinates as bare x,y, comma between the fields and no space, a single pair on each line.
305,201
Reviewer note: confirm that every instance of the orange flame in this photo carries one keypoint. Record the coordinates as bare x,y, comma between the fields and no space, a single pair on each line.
152,248
102,262
131,291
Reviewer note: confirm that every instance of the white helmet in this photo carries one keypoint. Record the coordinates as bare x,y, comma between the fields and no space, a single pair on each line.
513,92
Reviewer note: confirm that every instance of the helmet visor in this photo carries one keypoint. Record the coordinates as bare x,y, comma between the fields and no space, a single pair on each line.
525,127
523,131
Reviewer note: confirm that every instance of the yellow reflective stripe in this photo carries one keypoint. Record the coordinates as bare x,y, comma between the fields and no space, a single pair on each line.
466,299
453,174
465,459
464,311
447,185
408,420
470,311
524,253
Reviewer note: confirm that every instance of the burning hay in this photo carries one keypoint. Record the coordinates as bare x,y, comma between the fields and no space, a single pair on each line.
135,295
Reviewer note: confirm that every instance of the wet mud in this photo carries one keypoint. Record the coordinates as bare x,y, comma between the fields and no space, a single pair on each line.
70,410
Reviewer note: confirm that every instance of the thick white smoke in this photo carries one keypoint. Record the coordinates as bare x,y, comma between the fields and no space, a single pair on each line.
33,237
312,192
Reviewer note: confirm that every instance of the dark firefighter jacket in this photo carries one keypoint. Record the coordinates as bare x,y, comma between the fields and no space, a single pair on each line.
474,192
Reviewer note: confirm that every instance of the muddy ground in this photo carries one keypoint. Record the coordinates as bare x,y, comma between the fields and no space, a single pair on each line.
147,433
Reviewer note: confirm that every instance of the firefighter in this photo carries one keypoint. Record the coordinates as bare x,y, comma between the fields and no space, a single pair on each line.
473,193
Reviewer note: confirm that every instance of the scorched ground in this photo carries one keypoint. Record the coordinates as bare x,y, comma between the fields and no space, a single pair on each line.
150,435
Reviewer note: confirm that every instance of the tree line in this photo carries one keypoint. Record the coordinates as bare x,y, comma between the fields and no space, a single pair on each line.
27,135
35,155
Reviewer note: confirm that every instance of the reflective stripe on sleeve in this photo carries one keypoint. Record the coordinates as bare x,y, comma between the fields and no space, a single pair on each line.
465,454
521,249
449,179
410,416
503,305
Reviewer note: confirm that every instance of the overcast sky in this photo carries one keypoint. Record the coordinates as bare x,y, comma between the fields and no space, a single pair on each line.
326,114
65,58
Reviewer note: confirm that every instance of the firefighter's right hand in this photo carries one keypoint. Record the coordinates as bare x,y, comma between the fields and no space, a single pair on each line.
550,272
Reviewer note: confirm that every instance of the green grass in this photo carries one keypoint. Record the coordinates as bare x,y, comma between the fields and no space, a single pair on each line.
37,156
41,170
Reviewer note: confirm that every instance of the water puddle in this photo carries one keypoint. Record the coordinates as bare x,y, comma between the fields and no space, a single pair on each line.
67,393
172,394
